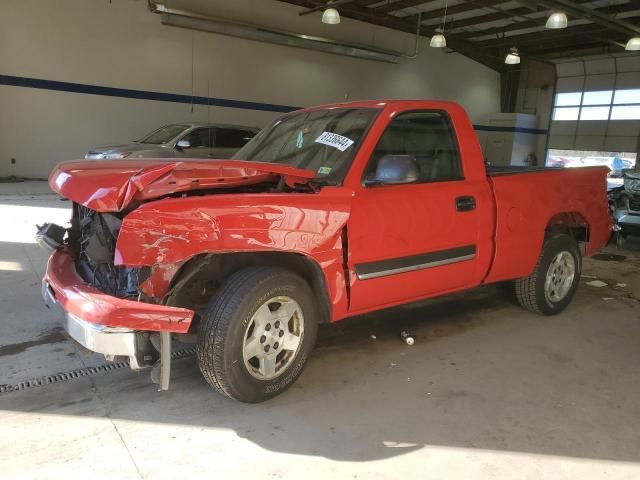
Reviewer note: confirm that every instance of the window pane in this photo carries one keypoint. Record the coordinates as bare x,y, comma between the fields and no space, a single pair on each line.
564,99
570,113
602,97
428,138
232,138
628,112
594,113
627,96
200,138
294,140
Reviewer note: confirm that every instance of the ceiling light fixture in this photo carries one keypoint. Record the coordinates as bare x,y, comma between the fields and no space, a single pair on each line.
331,16
513,57
557,20
633,44
438,40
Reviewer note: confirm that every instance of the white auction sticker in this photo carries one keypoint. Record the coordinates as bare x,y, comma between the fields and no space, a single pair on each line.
334,140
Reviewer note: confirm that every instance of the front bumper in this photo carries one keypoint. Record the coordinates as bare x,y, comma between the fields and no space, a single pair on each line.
102,323
97,338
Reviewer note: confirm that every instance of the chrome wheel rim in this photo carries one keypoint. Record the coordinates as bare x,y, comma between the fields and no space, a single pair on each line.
273,337
560,275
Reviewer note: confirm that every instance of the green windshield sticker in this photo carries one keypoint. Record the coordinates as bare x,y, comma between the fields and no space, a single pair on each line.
300,139
324,170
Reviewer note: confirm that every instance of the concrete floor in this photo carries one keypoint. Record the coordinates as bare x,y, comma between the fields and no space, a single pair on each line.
488,391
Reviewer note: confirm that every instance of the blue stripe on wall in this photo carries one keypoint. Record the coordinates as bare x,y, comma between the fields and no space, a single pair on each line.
188,99
139,94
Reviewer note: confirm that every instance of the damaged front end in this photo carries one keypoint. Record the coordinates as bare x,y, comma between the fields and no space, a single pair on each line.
111,270
92,239
90,288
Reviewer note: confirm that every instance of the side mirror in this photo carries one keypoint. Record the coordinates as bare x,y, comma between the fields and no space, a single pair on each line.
183,144
395,170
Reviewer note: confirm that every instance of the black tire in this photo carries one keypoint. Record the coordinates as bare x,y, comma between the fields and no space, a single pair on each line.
530,290
223,327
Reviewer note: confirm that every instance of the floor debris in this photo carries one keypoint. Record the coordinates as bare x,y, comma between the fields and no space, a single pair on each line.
597,283
407,338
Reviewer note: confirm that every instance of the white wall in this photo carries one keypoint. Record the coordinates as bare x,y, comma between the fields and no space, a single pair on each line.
121,44
535,97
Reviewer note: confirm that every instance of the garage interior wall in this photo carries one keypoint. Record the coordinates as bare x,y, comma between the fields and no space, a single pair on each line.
535,97
604,74
119,43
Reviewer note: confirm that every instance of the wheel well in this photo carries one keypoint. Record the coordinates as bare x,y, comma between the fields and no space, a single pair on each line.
571,223
199,278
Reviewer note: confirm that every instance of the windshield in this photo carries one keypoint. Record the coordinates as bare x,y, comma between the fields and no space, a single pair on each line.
164,134
324,141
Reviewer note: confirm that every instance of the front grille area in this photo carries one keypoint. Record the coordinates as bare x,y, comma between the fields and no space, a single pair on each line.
93,236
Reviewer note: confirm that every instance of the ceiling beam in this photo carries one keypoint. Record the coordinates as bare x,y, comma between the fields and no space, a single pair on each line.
611,9
487,57
560,37
394,6
583,49
323,5
489,17
467,6
554,50
594,16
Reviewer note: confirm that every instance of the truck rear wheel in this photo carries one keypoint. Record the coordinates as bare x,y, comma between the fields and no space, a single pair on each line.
554,281
257,334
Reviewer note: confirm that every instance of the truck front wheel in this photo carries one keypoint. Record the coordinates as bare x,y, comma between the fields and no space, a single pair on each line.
257,333
554,281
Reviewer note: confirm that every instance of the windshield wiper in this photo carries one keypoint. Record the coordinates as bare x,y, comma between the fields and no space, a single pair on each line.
330,179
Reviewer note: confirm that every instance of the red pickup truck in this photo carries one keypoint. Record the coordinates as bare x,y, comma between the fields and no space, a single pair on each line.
330,212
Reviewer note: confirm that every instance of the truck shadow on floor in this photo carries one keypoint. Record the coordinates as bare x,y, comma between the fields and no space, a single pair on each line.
483,374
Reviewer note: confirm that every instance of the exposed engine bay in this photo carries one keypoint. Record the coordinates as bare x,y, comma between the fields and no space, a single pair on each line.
93,237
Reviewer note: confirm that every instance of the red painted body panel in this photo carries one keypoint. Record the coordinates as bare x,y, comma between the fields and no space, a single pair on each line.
403,220
173,230
93,306
526,202
507,226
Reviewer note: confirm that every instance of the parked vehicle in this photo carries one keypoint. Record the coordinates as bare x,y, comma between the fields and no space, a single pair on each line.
329,212
192,140
625,205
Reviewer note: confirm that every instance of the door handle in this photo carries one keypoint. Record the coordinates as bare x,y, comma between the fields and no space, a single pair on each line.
465,204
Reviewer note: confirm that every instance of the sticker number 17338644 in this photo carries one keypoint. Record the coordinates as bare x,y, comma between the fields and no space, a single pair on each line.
334,140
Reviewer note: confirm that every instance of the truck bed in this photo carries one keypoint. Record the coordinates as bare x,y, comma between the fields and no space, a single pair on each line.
527,202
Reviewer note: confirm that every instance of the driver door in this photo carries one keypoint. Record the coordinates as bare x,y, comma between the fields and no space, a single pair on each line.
415,240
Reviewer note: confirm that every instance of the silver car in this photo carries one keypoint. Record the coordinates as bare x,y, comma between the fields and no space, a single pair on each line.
190,140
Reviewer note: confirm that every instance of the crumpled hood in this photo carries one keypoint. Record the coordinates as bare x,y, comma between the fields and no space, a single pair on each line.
111,186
